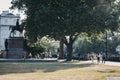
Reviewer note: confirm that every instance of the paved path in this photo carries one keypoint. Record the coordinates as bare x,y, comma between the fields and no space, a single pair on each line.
29,60
111,63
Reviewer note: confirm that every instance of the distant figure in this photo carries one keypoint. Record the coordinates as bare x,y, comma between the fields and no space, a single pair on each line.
103,57
79,56
50,55
6,45
4,53
24,55
58,55
98,57
30,55
92,57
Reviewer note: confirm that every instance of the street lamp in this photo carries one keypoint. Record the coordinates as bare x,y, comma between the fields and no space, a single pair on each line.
108,37
104,8
106,44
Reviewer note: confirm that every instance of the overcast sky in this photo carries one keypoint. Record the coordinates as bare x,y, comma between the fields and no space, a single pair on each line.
5,4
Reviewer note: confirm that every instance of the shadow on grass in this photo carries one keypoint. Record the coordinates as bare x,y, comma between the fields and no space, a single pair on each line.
45,67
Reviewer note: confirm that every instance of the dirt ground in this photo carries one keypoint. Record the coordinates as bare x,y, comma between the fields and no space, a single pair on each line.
56,71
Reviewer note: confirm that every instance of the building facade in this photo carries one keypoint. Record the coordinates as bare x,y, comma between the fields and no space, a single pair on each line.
7,19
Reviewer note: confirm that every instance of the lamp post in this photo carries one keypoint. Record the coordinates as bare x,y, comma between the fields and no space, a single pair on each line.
106,44
108,38
104,8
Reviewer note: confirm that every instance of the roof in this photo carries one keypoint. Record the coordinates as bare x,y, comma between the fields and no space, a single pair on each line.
10,14
7,14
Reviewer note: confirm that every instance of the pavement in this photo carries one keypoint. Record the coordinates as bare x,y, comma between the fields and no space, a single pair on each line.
29,60
111,63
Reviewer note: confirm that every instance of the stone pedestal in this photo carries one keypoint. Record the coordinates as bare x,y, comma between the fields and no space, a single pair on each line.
15,47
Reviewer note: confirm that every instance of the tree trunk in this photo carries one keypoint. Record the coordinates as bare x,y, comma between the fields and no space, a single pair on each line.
69,51
69,43
61,54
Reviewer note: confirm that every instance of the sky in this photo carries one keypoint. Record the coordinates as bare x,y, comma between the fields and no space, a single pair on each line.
5,4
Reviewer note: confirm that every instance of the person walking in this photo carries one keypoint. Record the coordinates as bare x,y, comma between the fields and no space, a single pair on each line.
92,57
103,57
78,56
98,57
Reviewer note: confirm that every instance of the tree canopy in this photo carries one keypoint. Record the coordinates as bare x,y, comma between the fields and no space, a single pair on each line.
58,18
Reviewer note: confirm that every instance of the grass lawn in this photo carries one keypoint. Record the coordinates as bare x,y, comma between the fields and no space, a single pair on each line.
56,71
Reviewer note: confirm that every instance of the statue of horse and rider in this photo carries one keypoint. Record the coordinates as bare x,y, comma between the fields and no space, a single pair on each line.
17,28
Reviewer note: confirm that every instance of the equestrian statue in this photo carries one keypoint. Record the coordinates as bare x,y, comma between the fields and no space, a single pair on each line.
17,28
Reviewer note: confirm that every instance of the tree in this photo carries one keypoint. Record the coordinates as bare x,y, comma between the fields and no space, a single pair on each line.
48,44
65,19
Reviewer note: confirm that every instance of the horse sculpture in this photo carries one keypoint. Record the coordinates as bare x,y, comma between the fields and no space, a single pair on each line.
17,28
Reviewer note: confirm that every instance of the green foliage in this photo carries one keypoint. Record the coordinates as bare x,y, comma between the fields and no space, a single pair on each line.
32,48
35,50
60,18
57,18
97,43
50,45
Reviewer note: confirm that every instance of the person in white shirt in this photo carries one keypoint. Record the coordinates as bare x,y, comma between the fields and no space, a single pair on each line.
98,57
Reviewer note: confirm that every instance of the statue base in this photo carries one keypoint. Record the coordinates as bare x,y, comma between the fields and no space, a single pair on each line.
15,47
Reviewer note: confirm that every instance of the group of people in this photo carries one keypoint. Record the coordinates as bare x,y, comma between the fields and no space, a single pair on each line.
98,56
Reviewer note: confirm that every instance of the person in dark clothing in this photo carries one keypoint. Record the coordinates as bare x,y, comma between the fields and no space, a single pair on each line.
79,56
103,57
6,44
